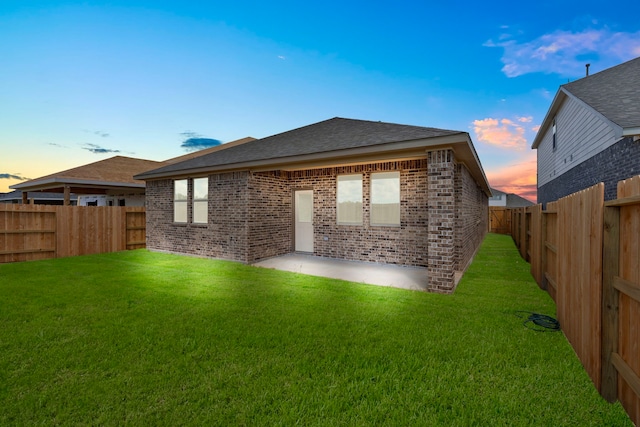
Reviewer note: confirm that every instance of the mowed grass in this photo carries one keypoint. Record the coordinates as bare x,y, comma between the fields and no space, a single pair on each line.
141,338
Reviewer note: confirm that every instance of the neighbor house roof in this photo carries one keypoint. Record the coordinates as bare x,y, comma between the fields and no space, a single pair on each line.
515,201
614,93
337,140
496,192
512,200
113,173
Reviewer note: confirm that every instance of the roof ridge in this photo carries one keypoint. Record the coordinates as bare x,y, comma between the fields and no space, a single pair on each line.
394,123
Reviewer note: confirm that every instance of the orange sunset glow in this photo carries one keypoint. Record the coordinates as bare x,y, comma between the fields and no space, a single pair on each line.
517,178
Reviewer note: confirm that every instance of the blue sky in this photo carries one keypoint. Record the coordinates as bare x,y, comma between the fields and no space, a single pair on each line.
84,81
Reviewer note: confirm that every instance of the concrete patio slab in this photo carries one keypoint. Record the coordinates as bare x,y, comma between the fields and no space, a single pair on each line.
414,278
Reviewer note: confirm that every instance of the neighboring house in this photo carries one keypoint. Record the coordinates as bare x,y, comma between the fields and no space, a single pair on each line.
341,188
507,200
107,182
36,198
591,134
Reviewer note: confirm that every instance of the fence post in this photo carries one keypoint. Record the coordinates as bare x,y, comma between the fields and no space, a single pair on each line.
610,269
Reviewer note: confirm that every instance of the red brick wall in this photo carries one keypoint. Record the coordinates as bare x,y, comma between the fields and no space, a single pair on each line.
225,236
443,217
442,224
270,224
472,216
394,245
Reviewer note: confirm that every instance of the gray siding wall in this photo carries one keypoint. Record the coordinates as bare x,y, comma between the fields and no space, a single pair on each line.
581,134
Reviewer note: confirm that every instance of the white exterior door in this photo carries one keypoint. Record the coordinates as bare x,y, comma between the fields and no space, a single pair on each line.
304,221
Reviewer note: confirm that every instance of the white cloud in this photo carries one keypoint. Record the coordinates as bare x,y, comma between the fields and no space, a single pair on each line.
563,52
504,133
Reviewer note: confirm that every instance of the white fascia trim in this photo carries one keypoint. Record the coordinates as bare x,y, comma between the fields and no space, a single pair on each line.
635,131
561,94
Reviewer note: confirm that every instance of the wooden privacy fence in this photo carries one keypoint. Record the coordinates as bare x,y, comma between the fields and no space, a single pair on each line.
33,232
585,253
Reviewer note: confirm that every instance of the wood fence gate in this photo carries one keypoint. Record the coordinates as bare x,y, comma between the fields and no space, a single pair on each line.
499,220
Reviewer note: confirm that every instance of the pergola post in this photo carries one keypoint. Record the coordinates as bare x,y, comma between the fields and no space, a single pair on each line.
67,195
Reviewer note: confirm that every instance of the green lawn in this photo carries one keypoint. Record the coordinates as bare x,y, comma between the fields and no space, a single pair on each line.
143,338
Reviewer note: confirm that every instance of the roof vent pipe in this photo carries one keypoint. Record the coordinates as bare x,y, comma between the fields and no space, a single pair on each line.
587,66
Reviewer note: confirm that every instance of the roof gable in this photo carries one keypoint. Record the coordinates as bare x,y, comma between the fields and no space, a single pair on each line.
613,93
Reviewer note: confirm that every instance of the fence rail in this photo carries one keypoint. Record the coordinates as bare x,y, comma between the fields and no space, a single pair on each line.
33,232
585,253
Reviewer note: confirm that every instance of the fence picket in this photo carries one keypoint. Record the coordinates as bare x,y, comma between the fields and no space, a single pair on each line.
32,232
590,265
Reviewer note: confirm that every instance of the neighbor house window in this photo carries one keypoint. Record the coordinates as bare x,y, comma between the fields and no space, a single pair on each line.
180,193
385,198
200,200
554,135
349,199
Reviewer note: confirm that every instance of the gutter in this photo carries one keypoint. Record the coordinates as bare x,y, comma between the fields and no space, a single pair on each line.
634,131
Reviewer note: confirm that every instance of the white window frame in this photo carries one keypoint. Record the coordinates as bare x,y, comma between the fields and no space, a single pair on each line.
389,193
200,211
180,202
342,217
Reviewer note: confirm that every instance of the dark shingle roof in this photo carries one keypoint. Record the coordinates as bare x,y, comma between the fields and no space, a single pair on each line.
515,201
117,169
326,136
614,92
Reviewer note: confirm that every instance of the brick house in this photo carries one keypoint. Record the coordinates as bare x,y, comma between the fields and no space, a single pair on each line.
340,188
591,134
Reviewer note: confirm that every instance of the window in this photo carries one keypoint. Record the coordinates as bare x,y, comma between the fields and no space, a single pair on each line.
349,195
180,192
385,198
554,135
200,200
